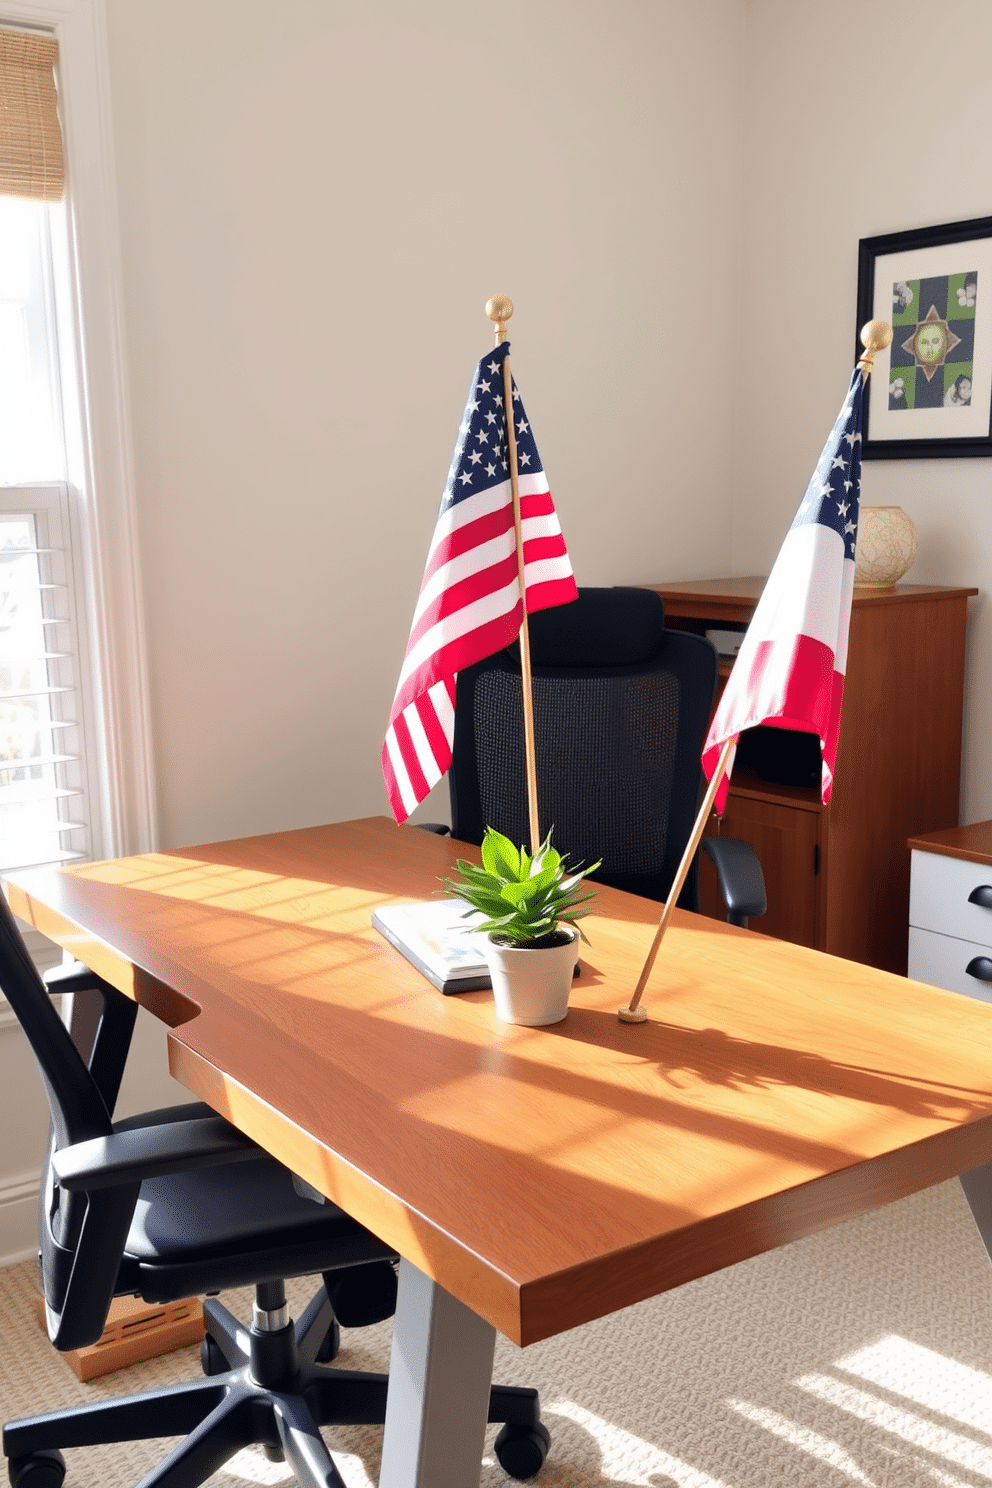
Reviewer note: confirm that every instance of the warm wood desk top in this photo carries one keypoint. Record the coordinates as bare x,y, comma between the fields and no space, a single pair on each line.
544,1176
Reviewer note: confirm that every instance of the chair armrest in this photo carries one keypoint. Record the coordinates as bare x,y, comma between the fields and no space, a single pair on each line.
127,1157
72,976
742,882
440,829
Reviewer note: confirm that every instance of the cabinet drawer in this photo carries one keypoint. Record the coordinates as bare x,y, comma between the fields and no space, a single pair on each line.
941,961
938,896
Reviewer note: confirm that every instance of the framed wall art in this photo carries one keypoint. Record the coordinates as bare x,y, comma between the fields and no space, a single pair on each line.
930,393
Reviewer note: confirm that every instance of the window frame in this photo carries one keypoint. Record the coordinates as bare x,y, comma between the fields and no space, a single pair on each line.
99,466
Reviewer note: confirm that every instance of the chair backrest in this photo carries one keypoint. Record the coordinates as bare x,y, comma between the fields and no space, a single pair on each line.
79,1112
621,708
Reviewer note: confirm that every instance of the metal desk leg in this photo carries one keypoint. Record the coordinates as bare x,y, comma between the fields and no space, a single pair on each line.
439,1377
977,1187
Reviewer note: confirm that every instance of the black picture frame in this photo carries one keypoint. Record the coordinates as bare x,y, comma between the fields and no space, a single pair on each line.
916,406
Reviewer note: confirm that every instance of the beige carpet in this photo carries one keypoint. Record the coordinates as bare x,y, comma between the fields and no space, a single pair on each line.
860,1356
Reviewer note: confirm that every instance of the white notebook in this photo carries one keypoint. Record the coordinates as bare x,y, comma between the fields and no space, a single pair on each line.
438,940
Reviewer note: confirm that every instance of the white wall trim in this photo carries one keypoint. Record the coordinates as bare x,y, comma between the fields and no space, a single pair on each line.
18,1217
21,1186
101,468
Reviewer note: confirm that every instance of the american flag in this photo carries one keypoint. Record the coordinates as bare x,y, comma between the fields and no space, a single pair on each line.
789,672
469,605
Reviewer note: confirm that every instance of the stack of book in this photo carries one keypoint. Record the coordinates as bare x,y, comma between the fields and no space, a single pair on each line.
436,936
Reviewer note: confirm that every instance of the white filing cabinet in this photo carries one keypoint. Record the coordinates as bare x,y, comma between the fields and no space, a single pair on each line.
950,942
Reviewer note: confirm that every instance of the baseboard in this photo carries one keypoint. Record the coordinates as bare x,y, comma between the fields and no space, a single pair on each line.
18,1218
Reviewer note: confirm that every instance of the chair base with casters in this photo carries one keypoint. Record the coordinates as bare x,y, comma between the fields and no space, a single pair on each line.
263,1386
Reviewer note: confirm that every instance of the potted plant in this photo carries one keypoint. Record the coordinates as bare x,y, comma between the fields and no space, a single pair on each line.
530,907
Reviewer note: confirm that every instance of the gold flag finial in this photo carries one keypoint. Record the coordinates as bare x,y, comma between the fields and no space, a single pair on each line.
875,336
499,309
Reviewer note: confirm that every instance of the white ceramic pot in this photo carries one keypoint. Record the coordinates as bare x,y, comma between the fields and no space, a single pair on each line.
532,986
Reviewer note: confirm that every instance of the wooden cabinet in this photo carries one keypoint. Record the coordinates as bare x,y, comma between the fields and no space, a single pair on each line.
838,875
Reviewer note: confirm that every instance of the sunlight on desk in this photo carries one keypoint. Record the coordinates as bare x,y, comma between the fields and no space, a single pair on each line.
772,1093
241,891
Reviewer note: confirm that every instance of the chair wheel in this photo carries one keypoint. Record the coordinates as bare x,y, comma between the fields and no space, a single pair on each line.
521,1450
331,1346
41,1469
212,1361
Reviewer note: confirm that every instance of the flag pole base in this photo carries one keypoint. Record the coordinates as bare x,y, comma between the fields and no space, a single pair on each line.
632,1015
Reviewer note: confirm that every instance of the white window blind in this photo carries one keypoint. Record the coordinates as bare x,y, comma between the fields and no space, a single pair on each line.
43,811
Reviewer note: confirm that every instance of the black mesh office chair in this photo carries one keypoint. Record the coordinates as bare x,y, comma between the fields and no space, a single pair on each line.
174,1203
621,709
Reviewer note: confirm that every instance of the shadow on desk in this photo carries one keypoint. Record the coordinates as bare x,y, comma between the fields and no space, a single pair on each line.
718,1058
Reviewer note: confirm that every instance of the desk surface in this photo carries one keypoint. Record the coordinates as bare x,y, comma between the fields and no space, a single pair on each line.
543,1176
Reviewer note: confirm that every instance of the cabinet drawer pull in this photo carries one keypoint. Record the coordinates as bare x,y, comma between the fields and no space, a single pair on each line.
982,895
980,967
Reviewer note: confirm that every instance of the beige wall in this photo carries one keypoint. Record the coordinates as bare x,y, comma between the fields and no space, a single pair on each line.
841,144
316,201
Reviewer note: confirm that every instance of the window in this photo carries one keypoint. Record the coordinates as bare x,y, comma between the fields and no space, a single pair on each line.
43,746
75,759
32,446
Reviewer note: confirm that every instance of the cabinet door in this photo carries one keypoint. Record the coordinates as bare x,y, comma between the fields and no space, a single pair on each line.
786,839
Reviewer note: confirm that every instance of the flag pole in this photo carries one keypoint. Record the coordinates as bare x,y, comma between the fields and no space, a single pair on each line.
875,336
633,1013
499,309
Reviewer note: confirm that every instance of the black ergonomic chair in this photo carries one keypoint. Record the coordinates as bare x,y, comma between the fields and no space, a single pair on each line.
178,1202
621,710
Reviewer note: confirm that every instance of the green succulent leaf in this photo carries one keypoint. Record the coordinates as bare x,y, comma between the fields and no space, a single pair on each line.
499,856
547,860
522,896
519,893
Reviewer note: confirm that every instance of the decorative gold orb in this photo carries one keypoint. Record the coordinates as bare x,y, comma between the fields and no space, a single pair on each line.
499,308
876,335
887,545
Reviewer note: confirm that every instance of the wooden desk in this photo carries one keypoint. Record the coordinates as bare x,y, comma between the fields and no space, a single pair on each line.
541,1177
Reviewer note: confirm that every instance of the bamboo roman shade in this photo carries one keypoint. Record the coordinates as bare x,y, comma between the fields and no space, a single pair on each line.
30,136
